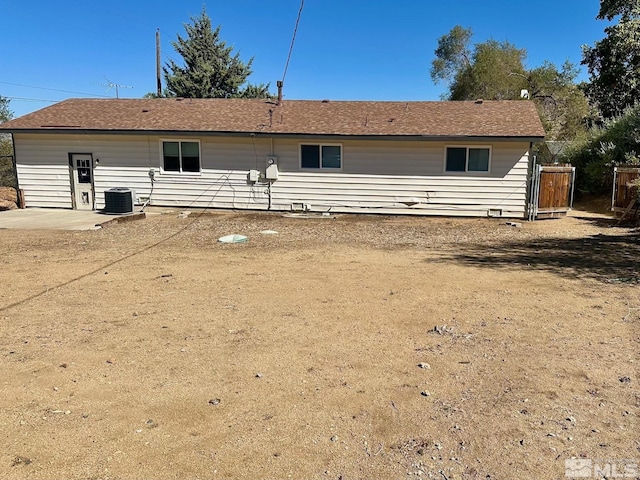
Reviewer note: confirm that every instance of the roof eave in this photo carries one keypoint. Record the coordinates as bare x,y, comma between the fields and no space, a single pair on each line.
413,137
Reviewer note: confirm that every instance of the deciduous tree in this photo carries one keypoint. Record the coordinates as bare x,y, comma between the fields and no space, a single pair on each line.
614,62
495,70
5,112
561,103
452,55
491,70
7,176
612,8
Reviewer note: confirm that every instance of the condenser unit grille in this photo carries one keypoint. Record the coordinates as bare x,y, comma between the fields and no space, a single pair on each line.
119,200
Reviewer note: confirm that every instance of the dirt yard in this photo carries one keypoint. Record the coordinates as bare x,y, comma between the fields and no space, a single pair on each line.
360,347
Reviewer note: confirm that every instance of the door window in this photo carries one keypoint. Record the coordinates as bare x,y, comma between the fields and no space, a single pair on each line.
83,166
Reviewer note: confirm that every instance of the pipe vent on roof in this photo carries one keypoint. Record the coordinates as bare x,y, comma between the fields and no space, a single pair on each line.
479,101
280,84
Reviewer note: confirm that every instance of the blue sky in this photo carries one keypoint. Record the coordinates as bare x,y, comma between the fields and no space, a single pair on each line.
345,49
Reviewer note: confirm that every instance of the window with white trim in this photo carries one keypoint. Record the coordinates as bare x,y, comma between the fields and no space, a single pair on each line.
181,156
320,156
467,159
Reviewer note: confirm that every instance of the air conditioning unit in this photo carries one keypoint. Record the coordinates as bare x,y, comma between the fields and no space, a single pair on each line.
119,200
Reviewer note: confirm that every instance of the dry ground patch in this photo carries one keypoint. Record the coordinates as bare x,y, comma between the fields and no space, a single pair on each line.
148,350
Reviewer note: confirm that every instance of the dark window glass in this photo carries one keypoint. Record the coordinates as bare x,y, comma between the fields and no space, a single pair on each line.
478,160
190,156
331,156
171,156
310,156
84,175
456,159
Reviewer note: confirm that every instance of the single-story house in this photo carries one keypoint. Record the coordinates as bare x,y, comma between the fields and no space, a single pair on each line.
428,158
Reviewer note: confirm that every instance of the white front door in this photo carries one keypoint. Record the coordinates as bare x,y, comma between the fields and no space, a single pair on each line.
82,176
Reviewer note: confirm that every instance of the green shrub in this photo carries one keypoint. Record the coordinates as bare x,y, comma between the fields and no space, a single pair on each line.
615,142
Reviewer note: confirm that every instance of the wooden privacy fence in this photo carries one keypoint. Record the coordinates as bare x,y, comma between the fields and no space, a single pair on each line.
622,187
551,191
625,193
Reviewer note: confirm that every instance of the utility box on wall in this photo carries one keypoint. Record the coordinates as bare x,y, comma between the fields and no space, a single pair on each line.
271,172
253,176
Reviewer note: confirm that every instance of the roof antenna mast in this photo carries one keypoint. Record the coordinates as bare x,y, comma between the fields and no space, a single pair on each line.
111,85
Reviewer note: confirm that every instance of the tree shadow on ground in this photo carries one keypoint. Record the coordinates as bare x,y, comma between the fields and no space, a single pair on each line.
601,221
600,204
609,258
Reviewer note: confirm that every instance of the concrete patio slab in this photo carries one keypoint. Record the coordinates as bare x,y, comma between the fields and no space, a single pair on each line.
59,219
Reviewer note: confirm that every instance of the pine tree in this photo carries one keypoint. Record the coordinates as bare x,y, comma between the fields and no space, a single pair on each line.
211,69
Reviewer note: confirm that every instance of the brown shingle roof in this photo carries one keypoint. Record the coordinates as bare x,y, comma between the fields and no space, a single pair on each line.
437,119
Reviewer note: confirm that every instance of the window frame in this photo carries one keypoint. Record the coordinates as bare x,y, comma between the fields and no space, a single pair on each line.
466,171
180,141
320,167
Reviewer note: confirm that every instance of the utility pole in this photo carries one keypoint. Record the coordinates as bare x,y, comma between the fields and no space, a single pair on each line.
158,81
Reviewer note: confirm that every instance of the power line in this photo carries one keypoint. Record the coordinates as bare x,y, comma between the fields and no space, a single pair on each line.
26,99
55,89
293,40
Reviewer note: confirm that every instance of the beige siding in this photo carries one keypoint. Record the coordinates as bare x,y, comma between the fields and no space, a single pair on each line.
45,185
352,193
43,165
378,176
